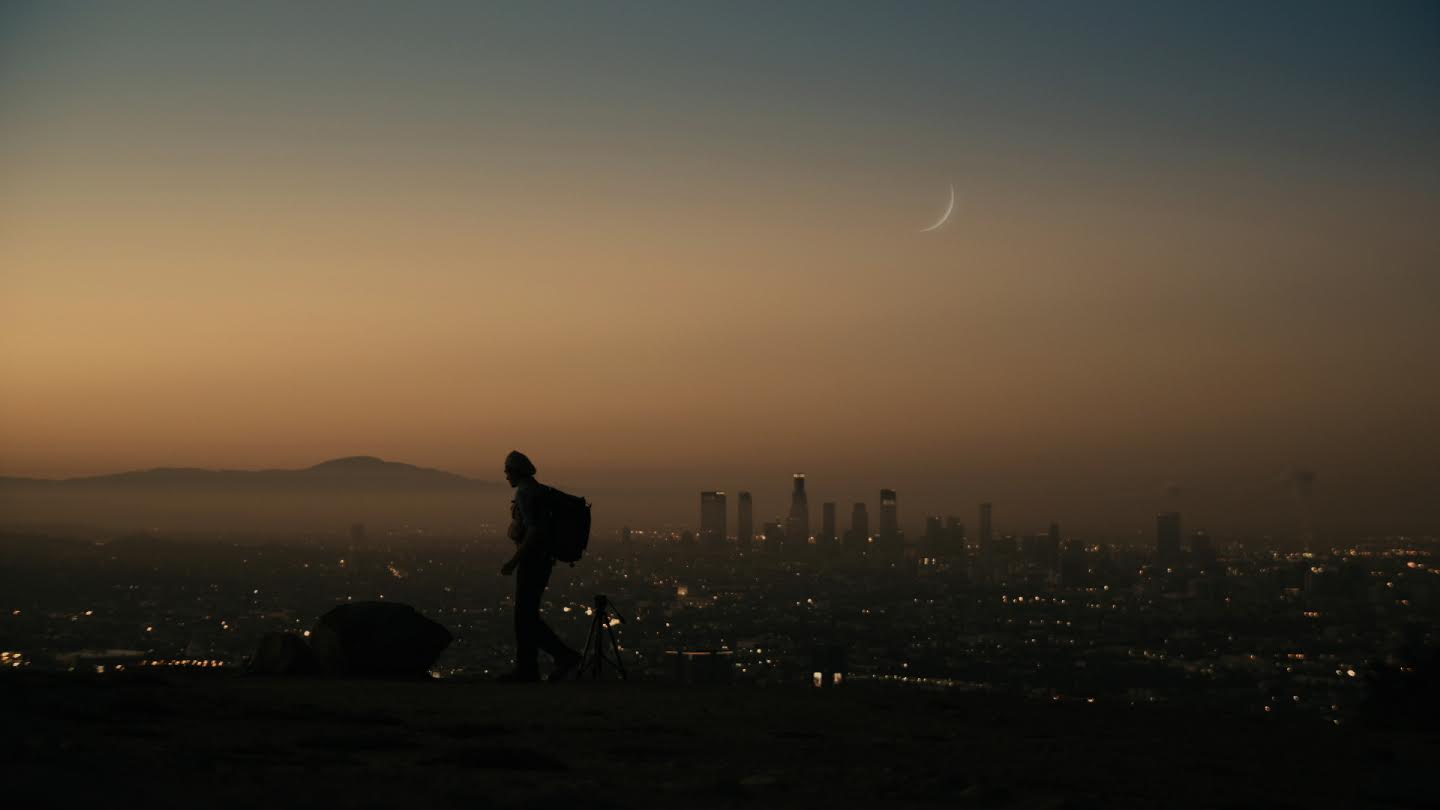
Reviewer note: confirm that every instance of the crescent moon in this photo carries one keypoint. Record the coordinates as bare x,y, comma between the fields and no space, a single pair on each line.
946,215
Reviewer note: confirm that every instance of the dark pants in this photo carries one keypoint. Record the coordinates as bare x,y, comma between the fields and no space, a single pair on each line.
531,631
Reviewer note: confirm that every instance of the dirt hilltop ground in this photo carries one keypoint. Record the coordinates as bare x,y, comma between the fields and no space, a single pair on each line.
235,741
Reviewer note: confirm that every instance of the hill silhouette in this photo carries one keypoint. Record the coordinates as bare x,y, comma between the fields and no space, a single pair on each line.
331,494
352,471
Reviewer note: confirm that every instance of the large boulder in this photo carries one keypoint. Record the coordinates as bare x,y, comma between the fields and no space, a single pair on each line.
283,654
378,640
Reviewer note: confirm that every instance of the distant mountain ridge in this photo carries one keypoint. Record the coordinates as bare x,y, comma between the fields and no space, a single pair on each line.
351,472
382,495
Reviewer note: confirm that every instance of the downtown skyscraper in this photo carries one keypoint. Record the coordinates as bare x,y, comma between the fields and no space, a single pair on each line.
954,536
744,522
712,518
889,518
828,538
987,532
859,535
1167,537
797,525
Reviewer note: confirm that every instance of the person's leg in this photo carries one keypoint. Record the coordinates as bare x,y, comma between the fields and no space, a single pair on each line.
549,642
528,590
544,637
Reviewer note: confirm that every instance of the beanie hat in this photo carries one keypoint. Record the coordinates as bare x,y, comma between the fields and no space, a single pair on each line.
519,462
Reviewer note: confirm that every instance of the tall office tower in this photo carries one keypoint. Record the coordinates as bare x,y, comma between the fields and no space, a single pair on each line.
934,534
987,540
797,526
712,519
935,541
745,521
1042,551
954,535
1202,549
1032,550
774,535
1008,546
1167,537
859,535
1052,547
1074,569
828,538
889,518
626,540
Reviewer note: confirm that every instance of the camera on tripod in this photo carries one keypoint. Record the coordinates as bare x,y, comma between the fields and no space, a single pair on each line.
602,651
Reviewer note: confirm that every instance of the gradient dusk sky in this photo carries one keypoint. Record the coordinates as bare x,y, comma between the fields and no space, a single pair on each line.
672,246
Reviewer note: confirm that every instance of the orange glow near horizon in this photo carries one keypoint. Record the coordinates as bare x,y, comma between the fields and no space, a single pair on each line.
656,285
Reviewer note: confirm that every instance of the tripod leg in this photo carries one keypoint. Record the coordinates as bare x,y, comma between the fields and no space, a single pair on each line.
585,653
615,648
590,658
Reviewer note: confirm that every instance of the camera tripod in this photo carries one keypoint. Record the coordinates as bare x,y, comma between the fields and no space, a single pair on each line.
596,658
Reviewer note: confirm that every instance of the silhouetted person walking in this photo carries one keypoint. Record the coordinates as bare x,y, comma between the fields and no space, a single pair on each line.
531,565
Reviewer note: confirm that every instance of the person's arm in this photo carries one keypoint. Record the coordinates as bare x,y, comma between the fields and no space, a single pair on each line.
516,530
530,544
527,548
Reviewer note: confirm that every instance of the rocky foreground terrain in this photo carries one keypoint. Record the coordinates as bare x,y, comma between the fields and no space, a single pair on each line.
235,741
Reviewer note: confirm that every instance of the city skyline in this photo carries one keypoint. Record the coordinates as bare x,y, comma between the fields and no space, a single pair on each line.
385,487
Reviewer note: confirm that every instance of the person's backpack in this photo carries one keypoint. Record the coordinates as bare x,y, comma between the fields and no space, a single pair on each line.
567,524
